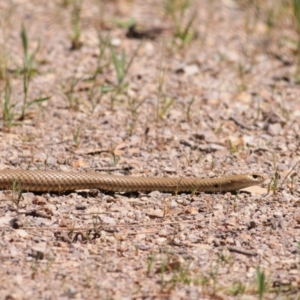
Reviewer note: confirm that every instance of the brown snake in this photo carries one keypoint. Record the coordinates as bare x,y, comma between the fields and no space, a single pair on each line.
55,181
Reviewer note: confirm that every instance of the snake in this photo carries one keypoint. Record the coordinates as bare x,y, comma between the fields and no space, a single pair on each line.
58,181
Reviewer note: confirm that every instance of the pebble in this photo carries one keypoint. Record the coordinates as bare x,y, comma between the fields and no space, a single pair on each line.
107,220
115,42
80,206
193,238
278,214
163,233
274,129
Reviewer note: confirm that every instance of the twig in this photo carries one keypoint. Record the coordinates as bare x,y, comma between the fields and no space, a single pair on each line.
239,123
292,169
127,168
240,251
59,143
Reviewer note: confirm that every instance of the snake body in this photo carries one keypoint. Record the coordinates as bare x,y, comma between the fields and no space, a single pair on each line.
55,181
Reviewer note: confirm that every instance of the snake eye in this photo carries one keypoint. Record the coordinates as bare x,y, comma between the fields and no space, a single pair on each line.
260,177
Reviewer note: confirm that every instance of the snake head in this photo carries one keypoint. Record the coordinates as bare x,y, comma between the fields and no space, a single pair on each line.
257,177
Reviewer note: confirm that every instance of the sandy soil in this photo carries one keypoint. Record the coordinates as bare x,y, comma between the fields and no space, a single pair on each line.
225,100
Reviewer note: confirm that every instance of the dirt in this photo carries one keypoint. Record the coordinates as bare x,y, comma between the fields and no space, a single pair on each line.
225,100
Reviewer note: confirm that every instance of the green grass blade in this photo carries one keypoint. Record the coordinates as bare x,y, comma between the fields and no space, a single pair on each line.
36,101
24,41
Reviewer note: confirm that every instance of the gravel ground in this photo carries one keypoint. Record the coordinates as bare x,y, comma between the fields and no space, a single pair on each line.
222,100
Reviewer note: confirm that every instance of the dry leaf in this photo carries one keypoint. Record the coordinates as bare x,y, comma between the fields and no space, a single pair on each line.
155,213
78,163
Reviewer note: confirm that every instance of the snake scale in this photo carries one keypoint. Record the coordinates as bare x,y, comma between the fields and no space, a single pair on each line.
56,181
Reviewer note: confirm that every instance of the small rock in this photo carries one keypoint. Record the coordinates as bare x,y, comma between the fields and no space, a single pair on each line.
13,296
193,238
173,204
185,126
161,240
107,220
144,247
154,194
282,147
292,147
278,214
216,242
71,292
211,148
21,232
210,239
115,42
80,207
230,241
170,170
188,143
273,118
274,129
39,200
252,224
140,236
155,213
163,233
51,161
282,167
191,69
187,69
16,223
108,198
38,252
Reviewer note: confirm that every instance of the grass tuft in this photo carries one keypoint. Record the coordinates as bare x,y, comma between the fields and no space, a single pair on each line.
28,71
121,66
261,283
296,12
178,11
76,26
8,108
